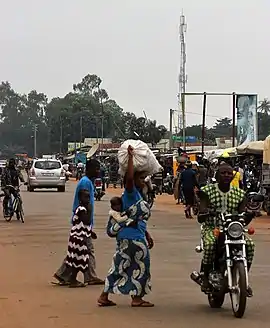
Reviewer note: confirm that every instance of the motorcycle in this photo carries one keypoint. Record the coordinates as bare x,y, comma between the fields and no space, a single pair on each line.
251,183
230,263
168,184
266,204
67,175
79,174
98,189
151,195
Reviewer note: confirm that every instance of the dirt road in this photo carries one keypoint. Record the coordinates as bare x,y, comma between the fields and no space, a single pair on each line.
31,252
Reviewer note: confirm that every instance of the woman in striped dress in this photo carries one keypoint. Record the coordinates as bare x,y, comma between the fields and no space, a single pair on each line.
77,254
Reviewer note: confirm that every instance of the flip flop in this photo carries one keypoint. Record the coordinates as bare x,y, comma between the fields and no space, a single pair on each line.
106,303
95,282
143,304
60,283
77,284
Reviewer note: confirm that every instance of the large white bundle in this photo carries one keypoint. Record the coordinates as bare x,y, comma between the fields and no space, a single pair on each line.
143,158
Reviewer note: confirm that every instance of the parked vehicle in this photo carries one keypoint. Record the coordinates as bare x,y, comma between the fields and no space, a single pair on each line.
47,173
265,184
168,184
151,195
3,164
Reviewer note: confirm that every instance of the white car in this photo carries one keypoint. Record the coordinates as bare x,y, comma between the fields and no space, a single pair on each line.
47,173
3,164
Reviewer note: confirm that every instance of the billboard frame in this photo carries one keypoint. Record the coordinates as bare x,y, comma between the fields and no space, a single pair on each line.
204,107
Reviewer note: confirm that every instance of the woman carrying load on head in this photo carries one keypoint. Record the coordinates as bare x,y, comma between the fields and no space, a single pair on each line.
130,271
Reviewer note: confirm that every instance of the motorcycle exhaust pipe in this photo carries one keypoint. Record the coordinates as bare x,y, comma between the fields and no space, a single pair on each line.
196,277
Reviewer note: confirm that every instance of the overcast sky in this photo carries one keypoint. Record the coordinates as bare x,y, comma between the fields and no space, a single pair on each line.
133,45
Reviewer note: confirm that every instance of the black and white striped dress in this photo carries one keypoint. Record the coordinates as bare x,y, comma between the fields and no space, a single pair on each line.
78,254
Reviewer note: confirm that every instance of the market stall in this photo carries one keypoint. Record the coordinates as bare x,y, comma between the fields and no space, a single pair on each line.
254,148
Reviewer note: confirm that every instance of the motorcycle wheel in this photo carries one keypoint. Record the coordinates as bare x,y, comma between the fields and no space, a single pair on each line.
216,300
21,213
21,216
239,296
7,217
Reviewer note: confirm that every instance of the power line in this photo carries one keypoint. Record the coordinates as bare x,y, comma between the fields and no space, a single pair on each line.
207,115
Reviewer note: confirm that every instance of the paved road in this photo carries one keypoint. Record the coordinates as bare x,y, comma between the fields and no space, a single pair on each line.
31,252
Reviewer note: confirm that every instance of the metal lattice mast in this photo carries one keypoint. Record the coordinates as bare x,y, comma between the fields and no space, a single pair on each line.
182,75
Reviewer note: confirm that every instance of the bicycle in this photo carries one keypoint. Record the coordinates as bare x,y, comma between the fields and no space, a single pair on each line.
14,205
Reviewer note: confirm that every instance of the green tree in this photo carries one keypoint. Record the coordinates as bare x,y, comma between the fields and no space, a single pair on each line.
79,114
264,106
222,128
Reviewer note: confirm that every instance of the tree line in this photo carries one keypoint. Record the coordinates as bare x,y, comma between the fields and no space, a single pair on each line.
86,111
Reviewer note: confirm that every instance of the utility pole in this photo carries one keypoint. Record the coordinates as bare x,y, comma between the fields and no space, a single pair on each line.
102,119
81,130
233,120
35,139
171,128
182,79
97,129
61,136
102,125
203,122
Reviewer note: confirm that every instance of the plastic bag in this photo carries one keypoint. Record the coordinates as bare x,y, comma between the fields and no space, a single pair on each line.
143,158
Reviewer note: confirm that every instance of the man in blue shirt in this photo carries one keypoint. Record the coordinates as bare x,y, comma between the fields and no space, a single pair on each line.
188,181
91,171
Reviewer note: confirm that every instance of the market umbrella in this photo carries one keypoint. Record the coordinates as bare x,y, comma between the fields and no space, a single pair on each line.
253,147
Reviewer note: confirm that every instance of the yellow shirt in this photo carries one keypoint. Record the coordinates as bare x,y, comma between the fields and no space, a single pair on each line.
236,180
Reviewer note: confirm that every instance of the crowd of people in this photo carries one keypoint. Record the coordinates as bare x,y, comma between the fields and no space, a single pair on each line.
217,186
128,217
192,176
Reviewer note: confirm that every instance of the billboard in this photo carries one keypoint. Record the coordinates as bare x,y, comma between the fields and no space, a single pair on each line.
72,145
247,121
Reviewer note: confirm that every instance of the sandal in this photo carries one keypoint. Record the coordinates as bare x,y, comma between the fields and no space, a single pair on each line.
102,303
95,282
76,284
60,283
142,304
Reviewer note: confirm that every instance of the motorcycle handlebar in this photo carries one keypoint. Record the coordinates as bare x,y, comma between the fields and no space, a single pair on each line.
244,217
13,187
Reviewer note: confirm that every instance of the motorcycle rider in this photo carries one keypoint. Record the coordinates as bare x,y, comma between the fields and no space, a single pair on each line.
11,175
221,196
80,167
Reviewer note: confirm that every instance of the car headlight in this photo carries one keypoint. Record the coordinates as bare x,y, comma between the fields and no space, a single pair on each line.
235,230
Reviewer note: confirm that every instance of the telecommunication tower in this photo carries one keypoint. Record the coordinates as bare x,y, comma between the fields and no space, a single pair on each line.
182,75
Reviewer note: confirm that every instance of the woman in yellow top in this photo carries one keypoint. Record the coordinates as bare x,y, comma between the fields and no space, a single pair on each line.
237,179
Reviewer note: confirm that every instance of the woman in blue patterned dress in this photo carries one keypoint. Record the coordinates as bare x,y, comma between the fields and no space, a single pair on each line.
130,271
